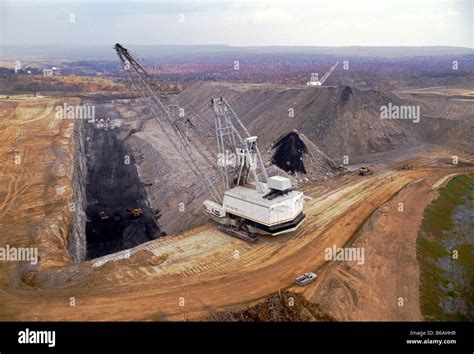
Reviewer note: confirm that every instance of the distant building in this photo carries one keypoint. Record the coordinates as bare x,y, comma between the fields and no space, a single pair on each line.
54,71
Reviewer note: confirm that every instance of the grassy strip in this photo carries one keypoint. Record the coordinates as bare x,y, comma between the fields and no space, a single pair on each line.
438,226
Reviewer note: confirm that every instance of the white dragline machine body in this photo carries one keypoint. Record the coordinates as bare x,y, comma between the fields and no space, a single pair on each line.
246,202
253,203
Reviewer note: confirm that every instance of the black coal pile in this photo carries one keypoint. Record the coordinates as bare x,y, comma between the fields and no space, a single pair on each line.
289,150
346,94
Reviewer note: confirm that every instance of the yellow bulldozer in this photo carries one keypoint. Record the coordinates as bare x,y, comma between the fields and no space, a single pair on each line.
135,212
365,171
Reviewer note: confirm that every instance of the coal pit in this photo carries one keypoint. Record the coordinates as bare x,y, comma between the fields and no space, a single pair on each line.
113,186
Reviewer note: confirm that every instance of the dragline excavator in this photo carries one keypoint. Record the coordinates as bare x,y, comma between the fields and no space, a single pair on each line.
243,200
315,81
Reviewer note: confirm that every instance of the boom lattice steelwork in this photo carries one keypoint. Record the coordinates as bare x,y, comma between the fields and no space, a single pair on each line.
238,157
147,88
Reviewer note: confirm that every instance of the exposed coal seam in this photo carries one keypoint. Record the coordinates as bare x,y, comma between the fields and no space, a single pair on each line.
112,187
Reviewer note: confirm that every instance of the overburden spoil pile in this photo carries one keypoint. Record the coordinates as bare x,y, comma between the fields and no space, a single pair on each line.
338,120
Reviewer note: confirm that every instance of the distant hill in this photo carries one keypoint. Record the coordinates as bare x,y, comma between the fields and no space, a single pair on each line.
175,52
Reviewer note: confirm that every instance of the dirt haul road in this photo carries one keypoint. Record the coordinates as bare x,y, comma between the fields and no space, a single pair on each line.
185,276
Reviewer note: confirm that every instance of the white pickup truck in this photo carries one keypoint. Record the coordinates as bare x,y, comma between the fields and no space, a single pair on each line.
306,278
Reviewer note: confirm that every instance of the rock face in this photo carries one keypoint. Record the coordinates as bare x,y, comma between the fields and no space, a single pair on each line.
77,244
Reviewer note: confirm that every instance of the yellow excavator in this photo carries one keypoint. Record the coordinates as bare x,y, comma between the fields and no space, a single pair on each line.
135,212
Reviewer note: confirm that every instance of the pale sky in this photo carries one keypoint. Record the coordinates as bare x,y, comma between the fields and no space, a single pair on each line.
239,22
